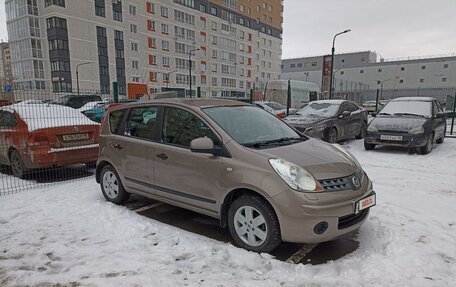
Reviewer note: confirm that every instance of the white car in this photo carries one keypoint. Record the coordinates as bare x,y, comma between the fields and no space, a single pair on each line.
275,108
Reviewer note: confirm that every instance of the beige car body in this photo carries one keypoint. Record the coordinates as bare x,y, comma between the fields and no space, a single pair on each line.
207,184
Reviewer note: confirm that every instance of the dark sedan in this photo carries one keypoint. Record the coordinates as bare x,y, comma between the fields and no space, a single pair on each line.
330,120
413,122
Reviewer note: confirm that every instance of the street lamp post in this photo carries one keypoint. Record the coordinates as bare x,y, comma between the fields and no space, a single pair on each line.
167,77
190,67
334,76
332,62
77,73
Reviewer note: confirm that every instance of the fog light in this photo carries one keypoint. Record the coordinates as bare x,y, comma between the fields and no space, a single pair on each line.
321,227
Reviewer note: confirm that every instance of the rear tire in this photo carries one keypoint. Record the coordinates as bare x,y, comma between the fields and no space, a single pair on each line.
362,131
332,135
111,186
253,224
368,146
427,148
17,165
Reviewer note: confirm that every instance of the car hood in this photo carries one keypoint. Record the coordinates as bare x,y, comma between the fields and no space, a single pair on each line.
398,123
322,160
305,121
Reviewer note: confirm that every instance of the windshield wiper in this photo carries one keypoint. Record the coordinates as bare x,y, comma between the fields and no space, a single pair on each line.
386,114
274,141
408,114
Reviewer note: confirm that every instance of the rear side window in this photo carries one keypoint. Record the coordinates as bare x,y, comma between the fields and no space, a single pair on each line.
7,119
115,120
181,127
141,122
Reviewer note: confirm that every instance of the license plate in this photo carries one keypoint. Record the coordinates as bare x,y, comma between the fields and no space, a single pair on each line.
365,203
390,138
75,137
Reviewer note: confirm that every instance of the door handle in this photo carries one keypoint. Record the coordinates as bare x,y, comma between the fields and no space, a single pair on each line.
117,146
162,156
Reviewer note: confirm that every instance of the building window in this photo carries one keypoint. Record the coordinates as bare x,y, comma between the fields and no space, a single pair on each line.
361,71
134,46
164,12
423,67
402,68
150,7
117,16
104,71
132,9
56,22
445,66
292,66
401,81
118,35
299,65
134,64
165,61
380,70
165,45
342,72
421,80
164,29
202,8
120,54
100,8
54,2
133,28
379,82
214,11
151,25
101,32
58,45
188,3
60,66
444,79
151,42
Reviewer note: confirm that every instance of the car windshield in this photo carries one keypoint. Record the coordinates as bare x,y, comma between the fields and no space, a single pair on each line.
400,108
275,106
252,126
320,109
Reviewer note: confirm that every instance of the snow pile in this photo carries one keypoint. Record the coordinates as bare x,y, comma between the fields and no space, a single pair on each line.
70,234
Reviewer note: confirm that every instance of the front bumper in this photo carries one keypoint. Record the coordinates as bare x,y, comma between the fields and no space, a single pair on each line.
311,132
408,140
300,213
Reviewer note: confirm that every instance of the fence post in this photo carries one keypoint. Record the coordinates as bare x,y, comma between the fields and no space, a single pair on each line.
115,91
454,110
376,100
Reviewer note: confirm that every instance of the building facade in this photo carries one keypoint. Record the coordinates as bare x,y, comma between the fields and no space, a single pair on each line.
6,76
145,46
363,73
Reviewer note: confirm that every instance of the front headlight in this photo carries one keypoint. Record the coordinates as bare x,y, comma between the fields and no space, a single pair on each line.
348,154
295,176
416,130
372,128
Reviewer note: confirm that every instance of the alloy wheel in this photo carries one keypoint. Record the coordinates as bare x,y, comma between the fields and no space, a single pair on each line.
110,184
250,226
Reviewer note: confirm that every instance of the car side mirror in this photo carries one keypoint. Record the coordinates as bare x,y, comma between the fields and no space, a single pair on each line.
373,114
344,114
202,145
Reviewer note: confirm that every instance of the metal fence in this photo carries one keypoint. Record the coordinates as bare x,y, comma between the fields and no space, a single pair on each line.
48,137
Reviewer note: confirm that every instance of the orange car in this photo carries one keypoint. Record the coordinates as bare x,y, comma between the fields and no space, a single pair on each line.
45,135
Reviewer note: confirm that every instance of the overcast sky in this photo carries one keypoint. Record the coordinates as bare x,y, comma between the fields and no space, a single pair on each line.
392,28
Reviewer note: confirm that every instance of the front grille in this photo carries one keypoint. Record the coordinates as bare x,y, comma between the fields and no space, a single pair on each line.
392,131
343,183
352,219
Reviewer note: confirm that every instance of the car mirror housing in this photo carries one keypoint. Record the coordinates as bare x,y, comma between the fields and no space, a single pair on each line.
344,114
374,114
202,145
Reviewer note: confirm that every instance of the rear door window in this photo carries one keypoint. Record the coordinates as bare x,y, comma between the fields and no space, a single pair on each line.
115,120
180,127
141,122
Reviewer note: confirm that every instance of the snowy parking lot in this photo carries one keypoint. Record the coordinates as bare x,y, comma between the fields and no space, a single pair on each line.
68,234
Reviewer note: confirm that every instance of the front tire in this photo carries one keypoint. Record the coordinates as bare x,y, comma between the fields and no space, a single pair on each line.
427,148
368,146
362,131
112,187
253,224
17,165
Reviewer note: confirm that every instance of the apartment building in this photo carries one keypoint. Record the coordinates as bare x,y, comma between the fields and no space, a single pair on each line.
145,46
6,76
365,72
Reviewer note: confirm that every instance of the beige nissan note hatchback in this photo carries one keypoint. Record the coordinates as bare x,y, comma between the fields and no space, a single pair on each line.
261,178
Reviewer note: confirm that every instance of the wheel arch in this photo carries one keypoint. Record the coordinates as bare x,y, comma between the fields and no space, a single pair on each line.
232,196
100,167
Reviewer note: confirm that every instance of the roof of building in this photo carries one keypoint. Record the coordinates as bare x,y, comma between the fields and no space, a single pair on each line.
423,99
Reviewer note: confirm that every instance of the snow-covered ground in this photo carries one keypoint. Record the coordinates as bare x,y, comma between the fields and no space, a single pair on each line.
69,234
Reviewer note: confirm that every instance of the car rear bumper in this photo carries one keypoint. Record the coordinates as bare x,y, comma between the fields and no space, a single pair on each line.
42,157
408,140
339,218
